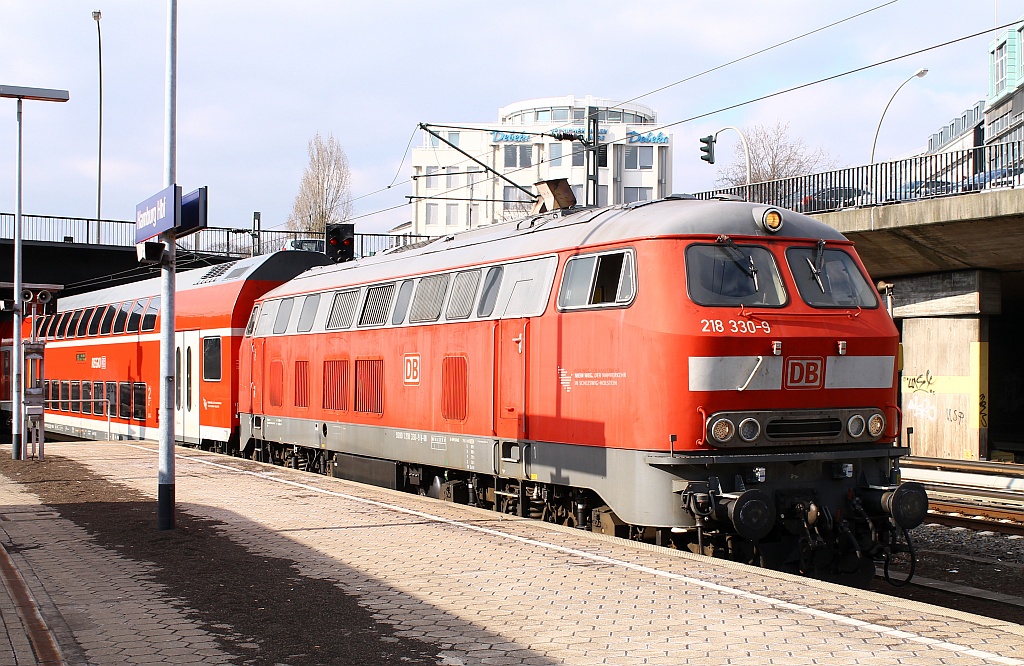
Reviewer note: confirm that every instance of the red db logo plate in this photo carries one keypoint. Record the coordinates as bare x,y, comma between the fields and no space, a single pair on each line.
807,372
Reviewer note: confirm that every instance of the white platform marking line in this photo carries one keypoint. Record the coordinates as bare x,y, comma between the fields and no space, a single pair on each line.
778,603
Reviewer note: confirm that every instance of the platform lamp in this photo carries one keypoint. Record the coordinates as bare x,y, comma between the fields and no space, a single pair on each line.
17,365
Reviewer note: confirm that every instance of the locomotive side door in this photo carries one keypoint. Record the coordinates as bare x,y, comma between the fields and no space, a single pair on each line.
186,386
510,369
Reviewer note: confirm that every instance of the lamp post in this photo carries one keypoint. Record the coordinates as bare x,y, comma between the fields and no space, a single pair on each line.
918,74
17,365
746,154
96,15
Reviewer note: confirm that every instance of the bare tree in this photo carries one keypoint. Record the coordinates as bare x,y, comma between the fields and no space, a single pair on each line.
325,194
773,155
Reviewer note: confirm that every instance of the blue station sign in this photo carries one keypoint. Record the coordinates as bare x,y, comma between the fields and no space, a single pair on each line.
157,214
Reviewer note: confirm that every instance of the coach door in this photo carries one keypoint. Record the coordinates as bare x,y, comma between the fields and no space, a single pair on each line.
510,367
187,357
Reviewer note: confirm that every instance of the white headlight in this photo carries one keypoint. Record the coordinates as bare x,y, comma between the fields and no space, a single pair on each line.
855,426
749,429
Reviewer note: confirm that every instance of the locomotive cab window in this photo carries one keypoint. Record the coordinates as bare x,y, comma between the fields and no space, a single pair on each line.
211,359
251,326
829,278
598,280
729,274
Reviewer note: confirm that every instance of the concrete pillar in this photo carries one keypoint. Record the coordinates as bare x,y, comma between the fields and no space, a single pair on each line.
944,385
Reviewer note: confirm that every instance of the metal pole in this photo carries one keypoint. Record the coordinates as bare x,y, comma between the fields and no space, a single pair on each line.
165,479
99,150
17,388
746,152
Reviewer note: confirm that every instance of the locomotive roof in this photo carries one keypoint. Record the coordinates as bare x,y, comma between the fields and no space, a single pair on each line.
563,230
277,266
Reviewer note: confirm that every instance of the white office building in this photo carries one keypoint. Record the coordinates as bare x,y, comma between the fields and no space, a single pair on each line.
453,191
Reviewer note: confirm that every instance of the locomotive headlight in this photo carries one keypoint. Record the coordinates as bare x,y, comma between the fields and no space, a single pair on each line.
876,424
749,429
855,426
771,220
722,430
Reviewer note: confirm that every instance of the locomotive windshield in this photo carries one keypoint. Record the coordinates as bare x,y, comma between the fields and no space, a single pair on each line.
730,274
829,278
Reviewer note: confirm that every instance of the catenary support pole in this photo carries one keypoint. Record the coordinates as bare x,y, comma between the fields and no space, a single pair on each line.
18,362
165,481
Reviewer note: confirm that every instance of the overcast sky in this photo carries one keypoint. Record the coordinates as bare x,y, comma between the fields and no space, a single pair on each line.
257,79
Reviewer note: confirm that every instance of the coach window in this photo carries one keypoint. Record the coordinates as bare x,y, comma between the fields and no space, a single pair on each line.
139,402
112,398
98,406
65,395
73,324
87,397
250,328
177,378
603,280
284,313
308,313
50,326
124,400
726,274
829,278
52,395
94,323
211,359
188,378
76,396
489,294
108,319
121,318
402,303
83,323
149,320
135,316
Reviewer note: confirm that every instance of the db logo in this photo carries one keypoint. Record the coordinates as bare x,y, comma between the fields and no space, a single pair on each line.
412,369
804,373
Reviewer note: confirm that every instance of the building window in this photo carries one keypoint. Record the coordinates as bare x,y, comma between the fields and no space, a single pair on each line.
560,115
515,199
578,116
432,140
452,179
555,154
579,154
1000,69
639,158
544,115
602,195
451,215
472,176
453,138
431,214
431,178
631,194
474,215
518,156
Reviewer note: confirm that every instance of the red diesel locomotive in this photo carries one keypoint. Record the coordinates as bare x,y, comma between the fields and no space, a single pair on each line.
715,374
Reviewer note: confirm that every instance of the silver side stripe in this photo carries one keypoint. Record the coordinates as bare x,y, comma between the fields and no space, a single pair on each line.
851,372
729,373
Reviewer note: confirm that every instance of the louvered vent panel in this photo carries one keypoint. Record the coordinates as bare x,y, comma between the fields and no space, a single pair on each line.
335,385
370,386
276,388
454,388
302,383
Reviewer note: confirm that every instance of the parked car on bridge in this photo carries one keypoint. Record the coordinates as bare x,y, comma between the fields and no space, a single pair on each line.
922,189
308,244
987,180
834,198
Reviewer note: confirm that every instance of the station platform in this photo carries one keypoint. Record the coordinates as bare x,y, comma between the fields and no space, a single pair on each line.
441,583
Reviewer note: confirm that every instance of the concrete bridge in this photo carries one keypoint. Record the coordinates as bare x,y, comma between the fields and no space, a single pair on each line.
956,269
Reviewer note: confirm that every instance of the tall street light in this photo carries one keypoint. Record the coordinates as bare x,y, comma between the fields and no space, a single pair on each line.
918,74
17,366
96,15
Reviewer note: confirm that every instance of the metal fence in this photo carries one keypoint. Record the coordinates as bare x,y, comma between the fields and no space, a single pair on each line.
926,177
213,240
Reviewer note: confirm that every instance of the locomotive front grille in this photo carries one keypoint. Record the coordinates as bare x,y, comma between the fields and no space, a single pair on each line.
803,428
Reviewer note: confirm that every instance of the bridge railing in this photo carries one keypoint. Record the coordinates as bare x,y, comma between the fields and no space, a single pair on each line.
924,177
213,240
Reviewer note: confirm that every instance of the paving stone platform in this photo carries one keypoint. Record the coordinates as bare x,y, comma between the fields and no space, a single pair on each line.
480,587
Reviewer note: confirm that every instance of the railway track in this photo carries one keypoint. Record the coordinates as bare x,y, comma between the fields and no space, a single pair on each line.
974,495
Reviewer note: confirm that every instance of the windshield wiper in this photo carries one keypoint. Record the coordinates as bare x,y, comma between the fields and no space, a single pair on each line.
819,256
750,270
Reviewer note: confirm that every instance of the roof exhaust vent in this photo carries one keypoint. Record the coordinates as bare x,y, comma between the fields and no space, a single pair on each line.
553,195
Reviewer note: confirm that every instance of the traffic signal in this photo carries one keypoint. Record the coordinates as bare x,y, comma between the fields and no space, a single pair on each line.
707,146
341,242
